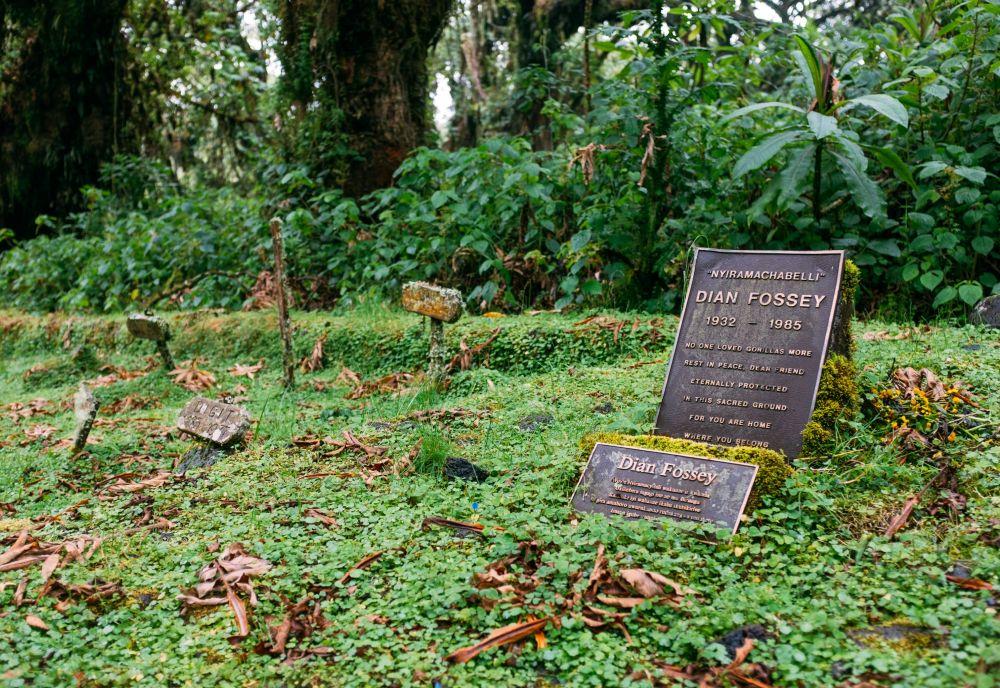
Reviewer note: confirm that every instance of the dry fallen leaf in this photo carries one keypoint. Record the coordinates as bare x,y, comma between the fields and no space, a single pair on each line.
36,622
220,581
364,563
502,636
314,361
969,583
192,378
250,371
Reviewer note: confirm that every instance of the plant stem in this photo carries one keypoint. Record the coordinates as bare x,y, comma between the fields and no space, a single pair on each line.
817,182
281,285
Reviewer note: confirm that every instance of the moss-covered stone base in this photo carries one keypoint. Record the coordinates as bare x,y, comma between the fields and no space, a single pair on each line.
837,401
772,471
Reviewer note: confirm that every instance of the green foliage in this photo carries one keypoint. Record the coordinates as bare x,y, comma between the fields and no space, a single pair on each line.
810,564
699,131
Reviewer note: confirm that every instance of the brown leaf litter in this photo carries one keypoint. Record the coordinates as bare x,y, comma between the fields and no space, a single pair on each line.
221,581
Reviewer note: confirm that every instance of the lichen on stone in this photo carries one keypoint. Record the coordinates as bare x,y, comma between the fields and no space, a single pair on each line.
772,467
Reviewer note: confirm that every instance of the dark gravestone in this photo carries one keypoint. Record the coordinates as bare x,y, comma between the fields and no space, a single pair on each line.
644,483
987,312
750,347
217,422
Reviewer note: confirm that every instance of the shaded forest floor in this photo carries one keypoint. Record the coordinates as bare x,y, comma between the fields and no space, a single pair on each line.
333,488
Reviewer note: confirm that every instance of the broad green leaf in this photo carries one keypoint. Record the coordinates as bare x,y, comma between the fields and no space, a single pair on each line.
821,125
937,90
983,245
931,279
970,292
967,195
579,240
944,296
910,272
794,174
883,104
887,247
929,169
758,156
889,158
438,199
976,175
810,66
852,150
760,106
866,193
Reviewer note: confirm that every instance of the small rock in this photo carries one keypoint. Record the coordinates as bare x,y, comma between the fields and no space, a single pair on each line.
960,571
85,409
202,456
735,638
535,421
434,302
463,469
987,312
972,347
605,408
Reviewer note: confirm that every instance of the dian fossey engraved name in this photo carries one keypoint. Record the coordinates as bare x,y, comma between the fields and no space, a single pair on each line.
780,298
631,463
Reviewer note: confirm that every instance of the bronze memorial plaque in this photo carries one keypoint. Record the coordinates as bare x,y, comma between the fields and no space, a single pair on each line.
750,347
645,483
216,421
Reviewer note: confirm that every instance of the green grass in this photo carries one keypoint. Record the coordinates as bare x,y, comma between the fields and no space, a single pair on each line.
809,565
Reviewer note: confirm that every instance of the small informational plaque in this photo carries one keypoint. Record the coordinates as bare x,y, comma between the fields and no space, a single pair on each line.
216,421
645,483
750,347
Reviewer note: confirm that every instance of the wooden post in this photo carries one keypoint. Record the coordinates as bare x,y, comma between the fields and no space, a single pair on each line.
435,366
281,285
164,350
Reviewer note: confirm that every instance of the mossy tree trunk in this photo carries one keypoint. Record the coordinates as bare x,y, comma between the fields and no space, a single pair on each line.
359,67
60,99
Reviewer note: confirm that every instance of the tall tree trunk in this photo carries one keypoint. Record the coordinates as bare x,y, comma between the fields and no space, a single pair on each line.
366,60
60,99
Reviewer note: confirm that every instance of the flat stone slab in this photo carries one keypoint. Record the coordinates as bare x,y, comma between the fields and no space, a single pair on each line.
216,421
987,312
148,327
439,303
644,483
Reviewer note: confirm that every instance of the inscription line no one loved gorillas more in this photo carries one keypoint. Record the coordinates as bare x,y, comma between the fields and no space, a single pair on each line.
750,347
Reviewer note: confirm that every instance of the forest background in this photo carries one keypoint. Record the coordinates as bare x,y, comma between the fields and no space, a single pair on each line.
533,153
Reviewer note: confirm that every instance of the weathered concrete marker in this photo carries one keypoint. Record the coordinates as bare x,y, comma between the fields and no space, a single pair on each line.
85,409
215,421
439,304
144,326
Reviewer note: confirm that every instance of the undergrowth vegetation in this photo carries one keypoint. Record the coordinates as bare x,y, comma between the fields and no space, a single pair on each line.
704,129
860,569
